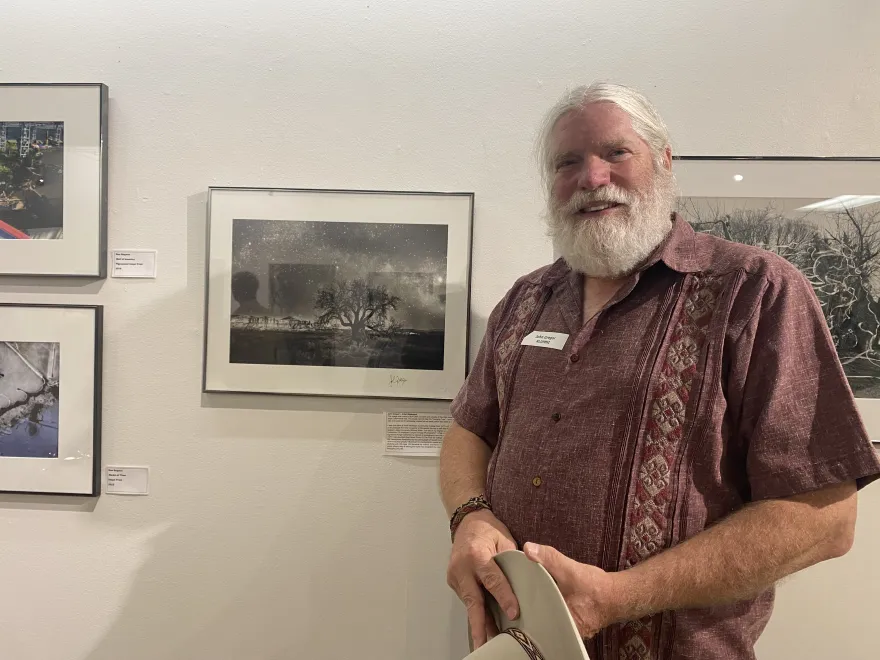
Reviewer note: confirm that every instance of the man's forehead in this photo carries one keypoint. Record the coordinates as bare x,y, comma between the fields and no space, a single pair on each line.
600,122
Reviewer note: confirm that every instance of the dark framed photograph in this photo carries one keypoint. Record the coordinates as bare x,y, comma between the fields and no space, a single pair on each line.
822,215
50,398
53,179
337,292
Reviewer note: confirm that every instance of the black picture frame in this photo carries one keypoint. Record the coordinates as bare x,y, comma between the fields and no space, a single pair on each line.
82,332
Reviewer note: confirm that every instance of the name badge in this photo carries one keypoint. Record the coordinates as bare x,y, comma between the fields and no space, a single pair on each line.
546,339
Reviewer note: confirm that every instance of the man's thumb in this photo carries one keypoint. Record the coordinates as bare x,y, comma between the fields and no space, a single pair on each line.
548,556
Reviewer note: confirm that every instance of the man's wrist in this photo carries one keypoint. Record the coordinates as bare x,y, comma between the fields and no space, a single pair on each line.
630,597
478,503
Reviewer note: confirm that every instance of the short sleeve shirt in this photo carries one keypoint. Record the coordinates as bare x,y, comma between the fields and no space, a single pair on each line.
709,381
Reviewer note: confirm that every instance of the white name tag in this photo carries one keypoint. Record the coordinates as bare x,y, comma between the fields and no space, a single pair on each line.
546,339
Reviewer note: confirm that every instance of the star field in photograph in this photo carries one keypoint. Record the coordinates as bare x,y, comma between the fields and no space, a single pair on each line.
292,260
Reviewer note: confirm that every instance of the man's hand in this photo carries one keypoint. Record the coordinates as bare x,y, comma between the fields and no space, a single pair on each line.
472,567
735,559
589,591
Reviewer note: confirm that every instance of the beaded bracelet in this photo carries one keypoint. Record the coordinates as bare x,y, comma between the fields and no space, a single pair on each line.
473,504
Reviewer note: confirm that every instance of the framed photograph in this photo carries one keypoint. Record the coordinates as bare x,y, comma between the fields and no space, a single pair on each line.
823,215
50,398
337,292
53,179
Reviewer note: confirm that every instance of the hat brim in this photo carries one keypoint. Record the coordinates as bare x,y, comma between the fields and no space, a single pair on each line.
543,614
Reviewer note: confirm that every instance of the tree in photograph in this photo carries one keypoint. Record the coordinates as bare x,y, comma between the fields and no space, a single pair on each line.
356,305
845,261
766,228
841,259
16,173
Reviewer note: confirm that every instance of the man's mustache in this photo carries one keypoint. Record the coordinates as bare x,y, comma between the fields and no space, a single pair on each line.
606,194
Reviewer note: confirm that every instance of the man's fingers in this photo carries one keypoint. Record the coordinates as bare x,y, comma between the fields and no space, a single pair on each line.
469,592
491,626
497,585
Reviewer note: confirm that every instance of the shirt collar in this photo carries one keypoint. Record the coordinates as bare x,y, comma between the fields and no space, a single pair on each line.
678,250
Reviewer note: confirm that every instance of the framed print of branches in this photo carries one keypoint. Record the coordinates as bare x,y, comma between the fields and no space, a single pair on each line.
50,398
822,215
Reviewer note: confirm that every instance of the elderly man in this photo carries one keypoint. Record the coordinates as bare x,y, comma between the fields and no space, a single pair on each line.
659,417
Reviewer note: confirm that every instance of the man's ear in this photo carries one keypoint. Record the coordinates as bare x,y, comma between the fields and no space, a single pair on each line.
667,157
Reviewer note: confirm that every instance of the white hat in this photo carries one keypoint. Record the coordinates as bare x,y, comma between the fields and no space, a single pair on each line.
544,629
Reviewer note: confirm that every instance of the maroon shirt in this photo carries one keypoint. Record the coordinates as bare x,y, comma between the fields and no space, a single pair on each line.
709,381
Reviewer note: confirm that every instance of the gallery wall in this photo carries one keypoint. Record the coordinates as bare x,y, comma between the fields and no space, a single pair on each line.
275,528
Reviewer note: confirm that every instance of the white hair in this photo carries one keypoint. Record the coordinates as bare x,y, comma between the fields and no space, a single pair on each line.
646,121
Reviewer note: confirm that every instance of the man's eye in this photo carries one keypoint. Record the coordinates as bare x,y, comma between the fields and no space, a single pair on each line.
618,154
565,163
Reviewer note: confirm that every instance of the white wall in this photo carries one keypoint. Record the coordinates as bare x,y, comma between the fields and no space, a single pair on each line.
275,528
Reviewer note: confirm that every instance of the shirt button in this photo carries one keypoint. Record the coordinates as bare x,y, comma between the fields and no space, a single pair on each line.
536,482
555,417
575,357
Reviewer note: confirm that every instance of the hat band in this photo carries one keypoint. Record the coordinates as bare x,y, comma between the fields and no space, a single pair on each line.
527,644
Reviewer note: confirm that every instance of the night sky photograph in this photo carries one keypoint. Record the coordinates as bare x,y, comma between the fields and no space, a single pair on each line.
338,293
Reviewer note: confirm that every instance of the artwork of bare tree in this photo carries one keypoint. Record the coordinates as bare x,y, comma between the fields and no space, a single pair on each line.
838,250
361,308
352,294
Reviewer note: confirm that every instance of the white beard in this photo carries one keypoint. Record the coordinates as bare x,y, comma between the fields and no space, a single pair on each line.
615,245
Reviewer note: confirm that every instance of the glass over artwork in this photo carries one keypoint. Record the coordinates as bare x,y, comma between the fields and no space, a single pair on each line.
338,294
31,180
835,243
29,399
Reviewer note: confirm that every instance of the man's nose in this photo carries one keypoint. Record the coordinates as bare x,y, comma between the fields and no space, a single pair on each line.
594,173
